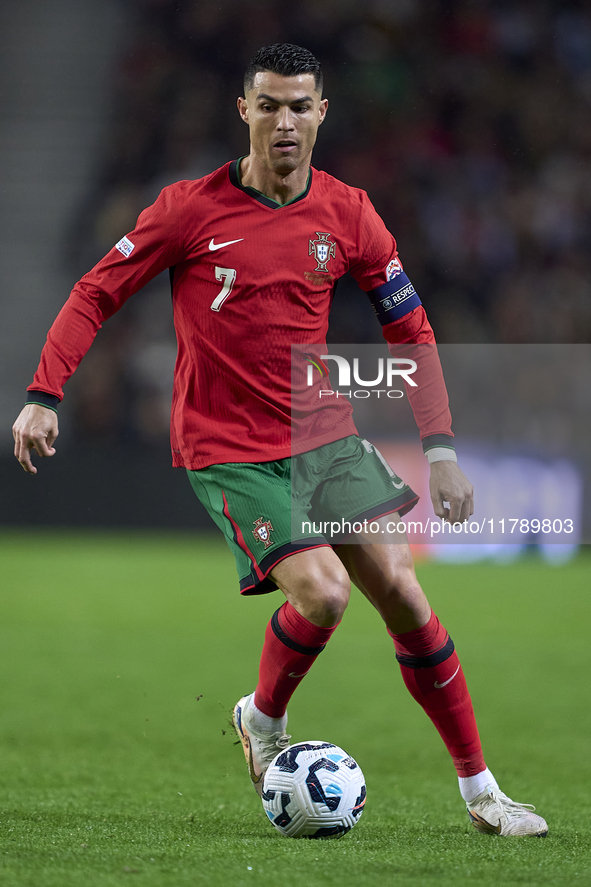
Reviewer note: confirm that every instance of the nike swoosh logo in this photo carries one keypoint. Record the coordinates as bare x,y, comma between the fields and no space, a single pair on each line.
482,825
254,777
214,246
398,486
292,675
438,686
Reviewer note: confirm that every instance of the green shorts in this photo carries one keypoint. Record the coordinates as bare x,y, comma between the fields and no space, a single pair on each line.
270,510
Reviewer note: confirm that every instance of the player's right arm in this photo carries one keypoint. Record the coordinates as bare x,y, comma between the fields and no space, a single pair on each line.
153,246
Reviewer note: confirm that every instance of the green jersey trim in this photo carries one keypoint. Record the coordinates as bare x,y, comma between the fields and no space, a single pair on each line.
42,399
258,195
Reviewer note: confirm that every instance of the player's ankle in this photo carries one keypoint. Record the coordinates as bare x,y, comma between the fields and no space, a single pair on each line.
260,721
473,786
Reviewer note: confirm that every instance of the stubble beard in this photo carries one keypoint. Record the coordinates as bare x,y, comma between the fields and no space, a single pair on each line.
284,166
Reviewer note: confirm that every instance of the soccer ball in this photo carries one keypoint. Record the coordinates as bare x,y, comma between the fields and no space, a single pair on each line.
313,790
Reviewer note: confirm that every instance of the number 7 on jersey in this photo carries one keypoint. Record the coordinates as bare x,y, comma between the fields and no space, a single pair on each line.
227,276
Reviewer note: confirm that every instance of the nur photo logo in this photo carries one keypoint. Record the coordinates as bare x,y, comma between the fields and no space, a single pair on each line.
386,372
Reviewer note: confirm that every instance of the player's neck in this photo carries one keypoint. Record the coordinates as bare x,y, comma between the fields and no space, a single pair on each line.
282,188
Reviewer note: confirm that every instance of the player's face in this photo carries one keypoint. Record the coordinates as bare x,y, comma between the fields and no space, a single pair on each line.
283,114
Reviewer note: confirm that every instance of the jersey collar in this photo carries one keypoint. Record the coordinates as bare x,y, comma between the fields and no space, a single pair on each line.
258,195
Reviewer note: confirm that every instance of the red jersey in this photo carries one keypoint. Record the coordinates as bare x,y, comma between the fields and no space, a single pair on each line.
250,278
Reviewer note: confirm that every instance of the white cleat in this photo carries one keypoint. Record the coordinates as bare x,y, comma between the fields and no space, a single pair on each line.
259,748
493,813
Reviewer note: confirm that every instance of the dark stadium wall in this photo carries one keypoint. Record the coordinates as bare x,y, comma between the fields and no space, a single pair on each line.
104,487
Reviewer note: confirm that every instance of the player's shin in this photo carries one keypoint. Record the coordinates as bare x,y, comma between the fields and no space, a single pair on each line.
433,675
291,646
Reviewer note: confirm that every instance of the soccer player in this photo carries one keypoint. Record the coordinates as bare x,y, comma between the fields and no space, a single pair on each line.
254,251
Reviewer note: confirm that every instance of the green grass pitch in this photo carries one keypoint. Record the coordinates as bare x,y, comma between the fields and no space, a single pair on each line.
122,656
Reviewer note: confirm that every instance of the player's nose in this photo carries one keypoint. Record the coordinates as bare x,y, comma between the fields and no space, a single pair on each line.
285,121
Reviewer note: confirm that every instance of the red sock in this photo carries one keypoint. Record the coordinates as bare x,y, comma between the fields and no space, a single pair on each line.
290,649
433,675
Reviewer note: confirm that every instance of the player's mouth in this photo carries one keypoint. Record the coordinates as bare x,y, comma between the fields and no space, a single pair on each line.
285,146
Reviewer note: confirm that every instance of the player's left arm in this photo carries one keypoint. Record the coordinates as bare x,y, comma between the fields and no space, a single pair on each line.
452,494
410,336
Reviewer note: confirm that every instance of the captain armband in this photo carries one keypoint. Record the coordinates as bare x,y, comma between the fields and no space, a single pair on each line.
394,299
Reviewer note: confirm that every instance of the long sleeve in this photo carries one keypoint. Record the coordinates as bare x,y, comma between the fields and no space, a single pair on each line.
411,336
150,248
378,270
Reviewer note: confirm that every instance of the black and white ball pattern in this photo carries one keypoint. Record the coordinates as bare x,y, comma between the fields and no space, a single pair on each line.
314,790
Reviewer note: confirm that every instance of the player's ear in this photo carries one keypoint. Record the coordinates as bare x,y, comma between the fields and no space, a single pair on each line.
322,109
243,109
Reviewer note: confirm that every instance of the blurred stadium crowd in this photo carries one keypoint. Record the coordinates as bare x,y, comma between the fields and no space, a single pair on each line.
467,121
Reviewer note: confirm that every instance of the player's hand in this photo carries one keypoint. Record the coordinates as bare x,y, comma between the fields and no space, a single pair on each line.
35,429
448,483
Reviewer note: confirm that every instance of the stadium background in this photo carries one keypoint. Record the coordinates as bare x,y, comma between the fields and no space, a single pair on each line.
467,122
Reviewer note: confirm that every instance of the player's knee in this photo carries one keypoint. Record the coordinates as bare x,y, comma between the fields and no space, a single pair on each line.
399,591
322,595
333,603
401,580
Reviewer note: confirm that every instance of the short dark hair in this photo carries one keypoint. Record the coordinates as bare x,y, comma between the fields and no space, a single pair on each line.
285,59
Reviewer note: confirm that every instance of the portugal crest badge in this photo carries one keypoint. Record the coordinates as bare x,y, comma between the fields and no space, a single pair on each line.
262,531
322,249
